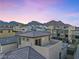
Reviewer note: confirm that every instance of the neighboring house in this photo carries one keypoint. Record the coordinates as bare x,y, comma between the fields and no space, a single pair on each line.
34,42
64,51
76,34
6,32
58,32
23,53
30,27
8,44
71,30
20,29
41,42
28,38
64,32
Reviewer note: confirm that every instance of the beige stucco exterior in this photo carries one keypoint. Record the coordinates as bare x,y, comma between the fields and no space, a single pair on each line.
51,52
8,47
70,33
6,33
47,49
66,31
31,41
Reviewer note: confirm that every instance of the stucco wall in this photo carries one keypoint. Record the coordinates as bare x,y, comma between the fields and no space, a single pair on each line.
25,42
6,33
70,33
51,52
42,50
44,41
64,53
8,47
55,50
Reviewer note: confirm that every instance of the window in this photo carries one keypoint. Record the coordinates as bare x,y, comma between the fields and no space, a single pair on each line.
13,31
9,31
19,42
38,42
23,38
54,38
58,34
49,38
27,40
77,37
23,29
1,31
66,35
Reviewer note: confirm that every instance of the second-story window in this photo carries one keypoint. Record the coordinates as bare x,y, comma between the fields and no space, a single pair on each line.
19,41
9,31
23,38
27,40
58,34
38,42
66,35
1,31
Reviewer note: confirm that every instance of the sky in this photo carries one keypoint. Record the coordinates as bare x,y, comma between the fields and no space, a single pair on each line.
25,11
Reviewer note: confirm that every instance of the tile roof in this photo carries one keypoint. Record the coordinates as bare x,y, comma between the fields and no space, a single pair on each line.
8,40
23,53
34,33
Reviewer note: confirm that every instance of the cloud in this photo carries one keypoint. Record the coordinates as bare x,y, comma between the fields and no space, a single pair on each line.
41,4
29,10
72,14
71,18
7,4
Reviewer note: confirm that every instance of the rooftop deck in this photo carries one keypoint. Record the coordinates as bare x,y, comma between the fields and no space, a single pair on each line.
52,42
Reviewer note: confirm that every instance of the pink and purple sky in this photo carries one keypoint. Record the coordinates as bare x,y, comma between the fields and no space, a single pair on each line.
40,10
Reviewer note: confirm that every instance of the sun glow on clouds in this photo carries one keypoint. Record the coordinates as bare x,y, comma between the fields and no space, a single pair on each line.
26,9
7,4
14,18
26,3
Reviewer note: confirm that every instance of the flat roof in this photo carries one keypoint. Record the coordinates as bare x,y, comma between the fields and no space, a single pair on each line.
52,42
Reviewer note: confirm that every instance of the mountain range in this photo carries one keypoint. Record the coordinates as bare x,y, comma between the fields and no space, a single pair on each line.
13,23
53,22
56,23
